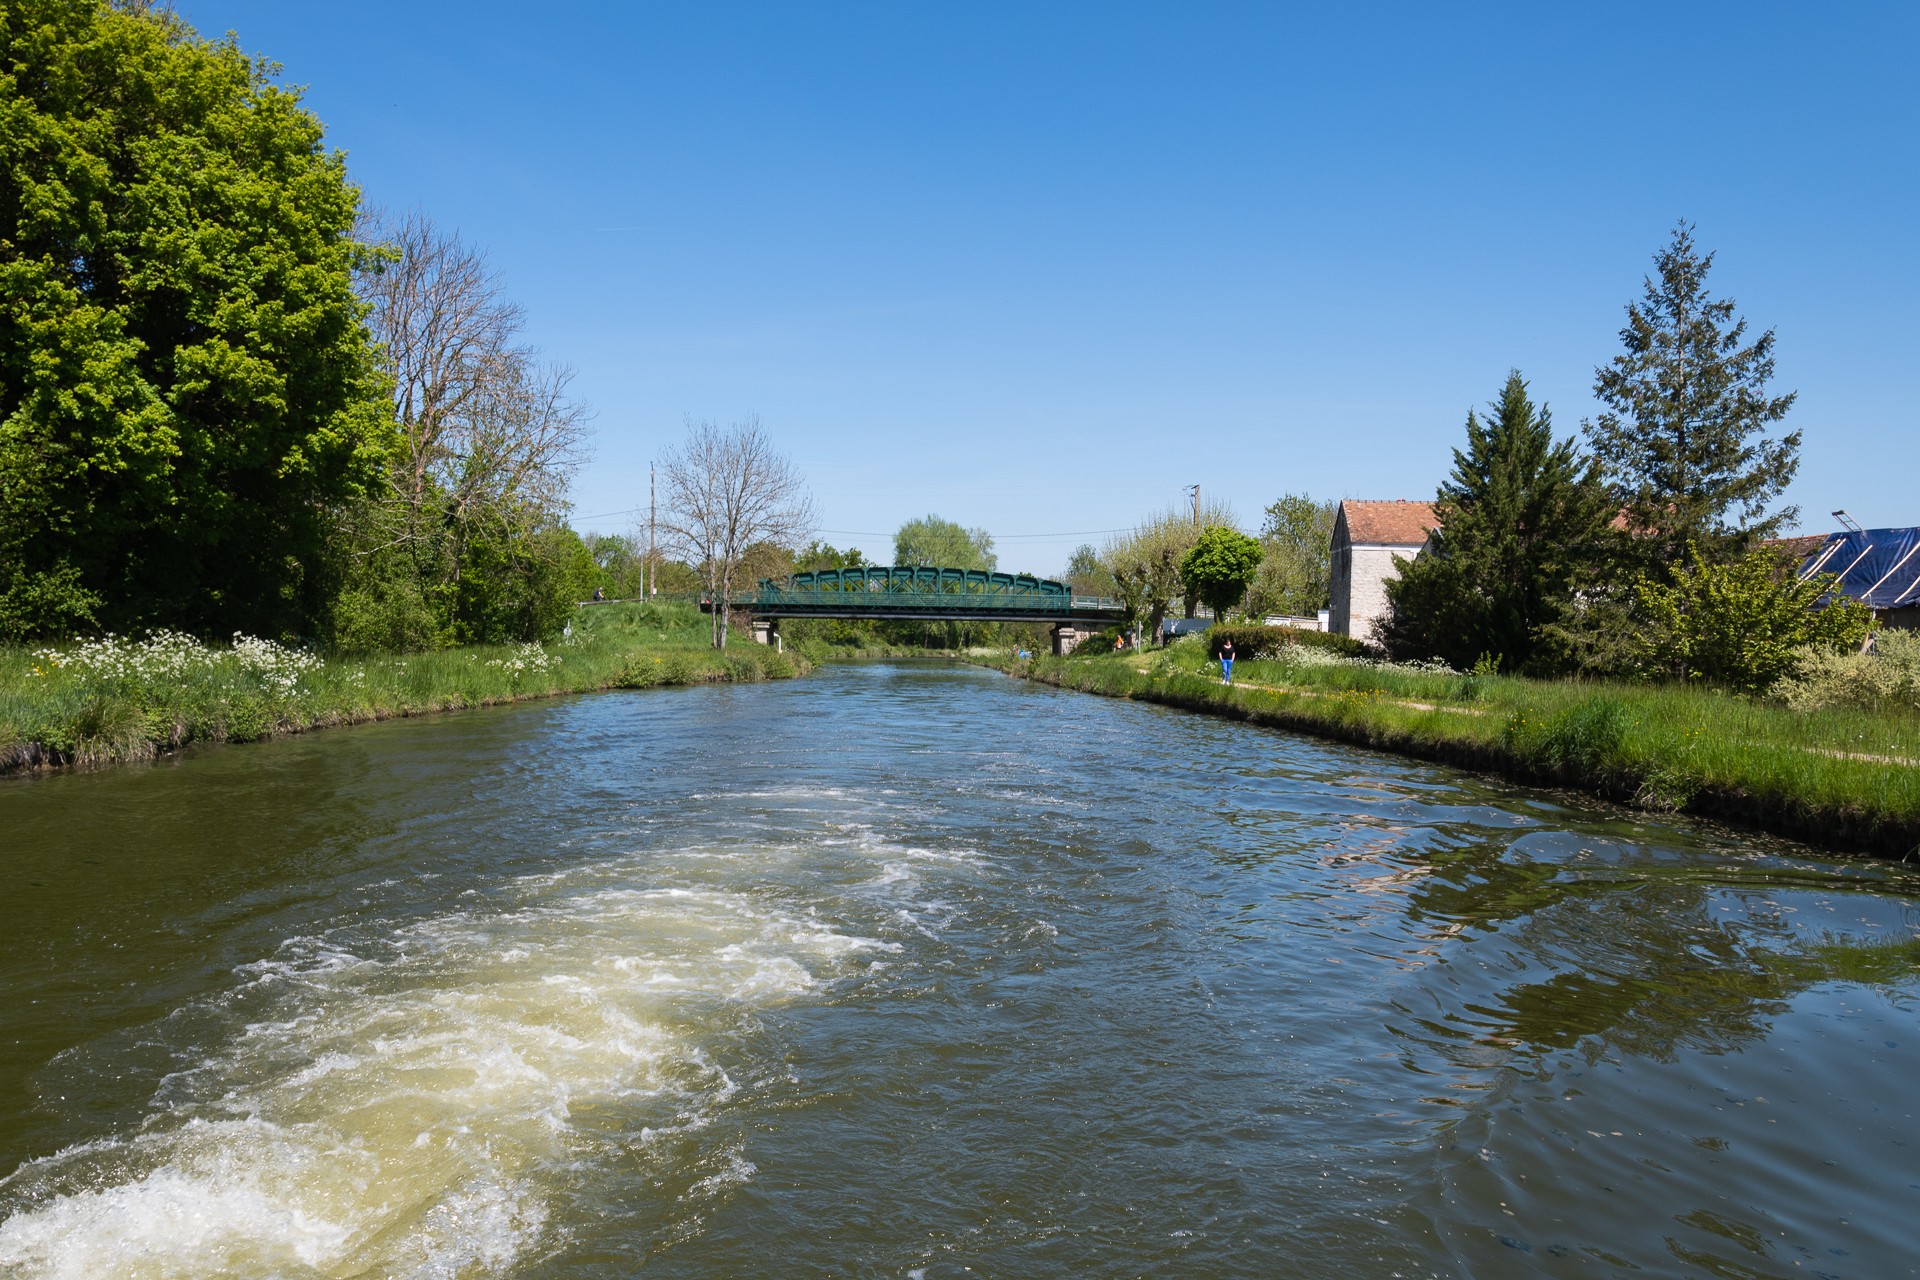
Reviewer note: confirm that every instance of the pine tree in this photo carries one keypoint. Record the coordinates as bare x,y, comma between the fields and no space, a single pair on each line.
1683,441
1521,520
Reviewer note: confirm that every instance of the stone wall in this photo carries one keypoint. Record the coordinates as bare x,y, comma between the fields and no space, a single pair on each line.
1360,577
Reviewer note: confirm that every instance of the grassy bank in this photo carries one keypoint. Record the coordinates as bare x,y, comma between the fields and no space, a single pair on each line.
110,701
1843,779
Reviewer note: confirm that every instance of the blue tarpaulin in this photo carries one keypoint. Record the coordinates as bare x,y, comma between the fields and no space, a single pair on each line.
1878,567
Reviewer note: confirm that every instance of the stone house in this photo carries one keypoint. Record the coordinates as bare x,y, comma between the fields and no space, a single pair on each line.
1366,538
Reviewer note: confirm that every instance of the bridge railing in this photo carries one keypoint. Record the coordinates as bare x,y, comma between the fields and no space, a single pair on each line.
984,602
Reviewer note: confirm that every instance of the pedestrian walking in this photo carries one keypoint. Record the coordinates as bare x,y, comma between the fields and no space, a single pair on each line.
1226,661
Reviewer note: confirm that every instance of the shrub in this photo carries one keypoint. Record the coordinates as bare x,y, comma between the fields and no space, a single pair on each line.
1743,624
1886,679
1098,643
1259,641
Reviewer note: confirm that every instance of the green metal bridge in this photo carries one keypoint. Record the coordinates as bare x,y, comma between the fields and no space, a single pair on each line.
906,591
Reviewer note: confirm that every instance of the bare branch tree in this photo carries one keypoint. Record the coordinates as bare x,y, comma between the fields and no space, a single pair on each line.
447,334
491,436
727,489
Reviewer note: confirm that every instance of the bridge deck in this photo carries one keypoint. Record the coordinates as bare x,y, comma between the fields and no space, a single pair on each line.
934,605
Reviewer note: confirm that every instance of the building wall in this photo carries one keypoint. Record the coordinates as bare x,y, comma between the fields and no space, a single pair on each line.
1360,577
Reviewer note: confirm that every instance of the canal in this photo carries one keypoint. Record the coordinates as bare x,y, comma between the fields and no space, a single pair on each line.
912,970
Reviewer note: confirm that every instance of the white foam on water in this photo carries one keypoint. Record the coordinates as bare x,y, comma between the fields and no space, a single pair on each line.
406,1105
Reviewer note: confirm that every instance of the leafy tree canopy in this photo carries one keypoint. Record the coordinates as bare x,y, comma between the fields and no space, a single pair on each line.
818,555
931,542
1296,562
1683,440
1086,575
186,384
1219,567
1522,520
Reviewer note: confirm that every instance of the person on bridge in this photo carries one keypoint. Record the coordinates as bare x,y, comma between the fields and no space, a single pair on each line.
1226,661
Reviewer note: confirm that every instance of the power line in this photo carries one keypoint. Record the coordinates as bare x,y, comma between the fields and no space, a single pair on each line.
874,533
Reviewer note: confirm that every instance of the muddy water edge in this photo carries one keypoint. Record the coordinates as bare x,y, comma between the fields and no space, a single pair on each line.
907,969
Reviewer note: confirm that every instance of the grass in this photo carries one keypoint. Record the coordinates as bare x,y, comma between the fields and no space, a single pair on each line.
110,702
1846,779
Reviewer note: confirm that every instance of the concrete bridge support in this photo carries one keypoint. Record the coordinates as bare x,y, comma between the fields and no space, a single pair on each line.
767,631
1067,637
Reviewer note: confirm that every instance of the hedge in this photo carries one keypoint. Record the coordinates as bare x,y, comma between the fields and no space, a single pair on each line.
1257,641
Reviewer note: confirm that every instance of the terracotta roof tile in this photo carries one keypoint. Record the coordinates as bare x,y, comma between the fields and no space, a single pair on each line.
1399,523
1799,547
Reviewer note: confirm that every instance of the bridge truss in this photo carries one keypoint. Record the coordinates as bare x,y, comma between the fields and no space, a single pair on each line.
907,591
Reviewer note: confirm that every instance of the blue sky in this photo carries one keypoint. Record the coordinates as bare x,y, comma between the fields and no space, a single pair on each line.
1037,267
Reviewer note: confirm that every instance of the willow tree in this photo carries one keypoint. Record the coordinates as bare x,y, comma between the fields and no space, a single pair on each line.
931,542
1145,561
187,388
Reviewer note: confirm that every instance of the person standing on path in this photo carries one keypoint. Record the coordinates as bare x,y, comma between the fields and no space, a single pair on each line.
1226,661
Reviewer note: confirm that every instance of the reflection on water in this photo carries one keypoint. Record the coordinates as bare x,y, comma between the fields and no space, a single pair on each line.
906,970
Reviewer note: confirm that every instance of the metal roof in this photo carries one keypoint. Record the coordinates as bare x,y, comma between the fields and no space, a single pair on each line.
1878,567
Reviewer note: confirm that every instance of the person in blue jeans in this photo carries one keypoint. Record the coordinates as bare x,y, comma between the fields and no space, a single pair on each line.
1226,661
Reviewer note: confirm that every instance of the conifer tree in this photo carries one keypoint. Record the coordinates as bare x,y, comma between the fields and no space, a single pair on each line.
1683,442
1520,522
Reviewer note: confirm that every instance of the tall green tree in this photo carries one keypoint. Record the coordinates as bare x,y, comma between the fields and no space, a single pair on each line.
1522,520
187,389
1296,562
1683,441
931,542
1219,567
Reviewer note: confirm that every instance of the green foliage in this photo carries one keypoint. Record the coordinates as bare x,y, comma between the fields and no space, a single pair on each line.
517,587
1523,521
1086,575
1254,641
186,383
1104,641
621,564
1296,562
1683,441
931,542
817,556
380,607
49,602
1145,561
1219,568
1743,624
1887,679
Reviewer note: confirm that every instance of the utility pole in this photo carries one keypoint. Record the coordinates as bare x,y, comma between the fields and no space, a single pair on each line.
651,491
1194,489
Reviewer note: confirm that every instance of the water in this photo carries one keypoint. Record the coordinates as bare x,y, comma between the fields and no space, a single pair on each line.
916,971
